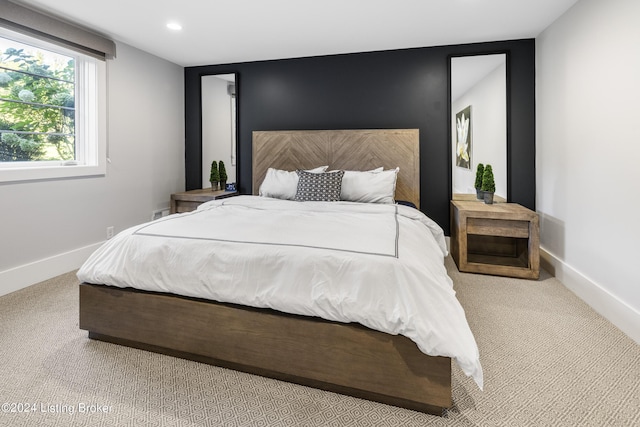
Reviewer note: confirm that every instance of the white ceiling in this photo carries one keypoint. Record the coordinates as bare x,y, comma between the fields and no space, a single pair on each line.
220,32
466,71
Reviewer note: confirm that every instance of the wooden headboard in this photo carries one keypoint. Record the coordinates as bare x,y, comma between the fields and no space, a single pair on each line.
341,149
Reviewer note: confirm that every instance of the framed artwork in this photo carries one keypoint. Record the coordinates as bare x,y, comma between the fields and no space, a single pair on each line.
463,138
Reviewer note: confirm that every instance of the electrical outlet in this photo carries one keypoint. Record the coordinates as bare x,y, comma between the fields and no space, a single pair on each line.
109,232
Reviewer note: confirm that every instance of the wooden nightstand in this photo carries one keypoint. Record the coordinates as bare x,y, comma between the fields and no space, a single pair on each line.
187,201
500,239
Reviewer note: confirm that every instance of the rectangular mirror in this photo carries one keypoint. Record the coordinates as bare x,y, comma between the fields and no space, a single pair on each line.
219,127
478,122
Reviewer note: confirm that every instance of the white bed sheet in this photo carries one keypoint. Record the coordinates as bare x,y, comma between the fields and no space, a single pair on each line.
378,265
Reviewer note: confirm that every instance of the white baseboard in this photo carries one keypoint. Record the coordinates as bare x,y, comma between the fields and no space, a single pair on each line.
619,313
37,271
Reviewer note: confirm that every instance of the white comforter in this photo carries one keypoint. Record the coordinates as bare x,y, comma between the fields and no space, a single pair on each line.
377,265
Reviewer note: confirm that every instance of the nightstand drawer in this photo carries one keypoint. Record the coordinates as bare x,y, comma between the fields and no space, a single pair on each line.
498,227
186,206
188,201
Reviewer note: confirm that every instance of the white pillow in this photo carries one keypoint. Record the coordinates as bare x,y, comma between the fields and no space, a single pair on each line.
376,186
281,184
351,181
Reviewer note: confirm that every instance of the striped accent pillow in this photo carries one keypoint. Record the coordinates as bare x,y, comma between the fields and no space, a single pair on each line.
319,187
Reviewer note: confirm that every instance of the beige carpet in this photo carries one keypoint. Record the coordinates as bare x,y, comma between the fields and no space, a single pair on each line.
549,360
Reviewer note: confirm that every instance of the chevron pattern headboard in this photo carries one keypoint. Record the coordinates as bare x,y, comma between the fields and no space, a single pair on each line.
341,149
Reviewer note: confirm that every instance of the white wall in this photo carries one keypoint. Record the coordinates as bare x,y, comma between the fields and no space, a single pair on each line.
588,149
50,227
488,100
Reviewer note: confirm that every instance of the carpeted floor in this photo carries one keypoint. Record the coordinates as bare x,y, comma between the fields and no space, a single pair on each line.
548,359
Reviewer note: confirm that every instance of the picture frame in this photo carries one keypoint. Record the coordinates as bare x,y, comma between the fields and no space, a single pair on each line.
463,138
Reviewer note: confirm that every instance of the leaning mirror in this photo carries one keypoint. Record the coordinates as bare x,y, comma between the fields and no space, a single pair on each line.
478,122
219,124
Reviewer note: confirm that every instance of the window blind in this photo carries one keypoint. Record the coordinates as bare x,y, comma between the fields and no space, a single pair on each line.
46,27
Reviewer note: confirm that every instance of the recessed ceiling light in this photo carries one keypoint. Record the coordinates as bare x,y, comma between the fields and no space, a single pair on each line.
174,26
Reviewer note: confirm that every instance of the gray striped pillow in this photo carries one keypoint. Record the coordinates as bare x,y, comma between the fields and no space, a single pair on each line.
319,187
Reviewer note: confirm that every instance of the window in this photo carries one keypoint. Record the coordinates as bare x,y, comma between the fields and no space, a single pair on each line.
52,110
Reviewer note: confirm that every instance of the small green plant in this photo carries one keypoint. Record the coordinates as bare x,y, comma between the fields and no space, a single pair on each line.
479,173
488,184
215,175
223,172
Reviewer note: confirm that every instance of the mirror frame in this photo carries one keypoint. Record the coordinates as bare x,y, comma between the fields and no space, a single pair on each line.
193,176
508,114
235,82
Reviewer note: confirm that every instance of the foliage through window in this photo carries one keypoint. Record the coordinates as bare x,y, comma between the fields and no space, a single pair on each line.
37,104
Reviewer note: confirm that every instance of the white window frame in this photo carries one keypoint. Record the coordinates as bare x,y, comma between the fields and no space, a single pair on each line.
91,122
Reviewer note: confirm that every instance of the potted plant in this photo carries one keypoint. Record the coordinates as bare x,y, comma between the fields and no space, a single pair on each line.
214,177
223,175
478,184
488,184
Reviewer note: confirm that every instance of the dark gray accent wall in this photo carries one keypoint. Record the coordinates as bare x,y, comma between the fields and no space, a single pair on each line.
406,88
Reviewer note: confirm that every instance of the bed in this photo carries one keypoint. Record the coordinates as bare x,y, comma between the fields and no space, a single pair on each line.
370,339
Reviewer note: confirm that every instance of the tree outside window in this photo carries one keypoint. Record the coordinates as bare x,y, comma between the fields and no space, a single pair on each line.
37,104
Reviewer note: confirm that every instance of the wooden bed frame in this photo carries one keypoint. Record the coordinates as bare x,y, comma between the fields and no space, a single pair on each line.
341,149
344,358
